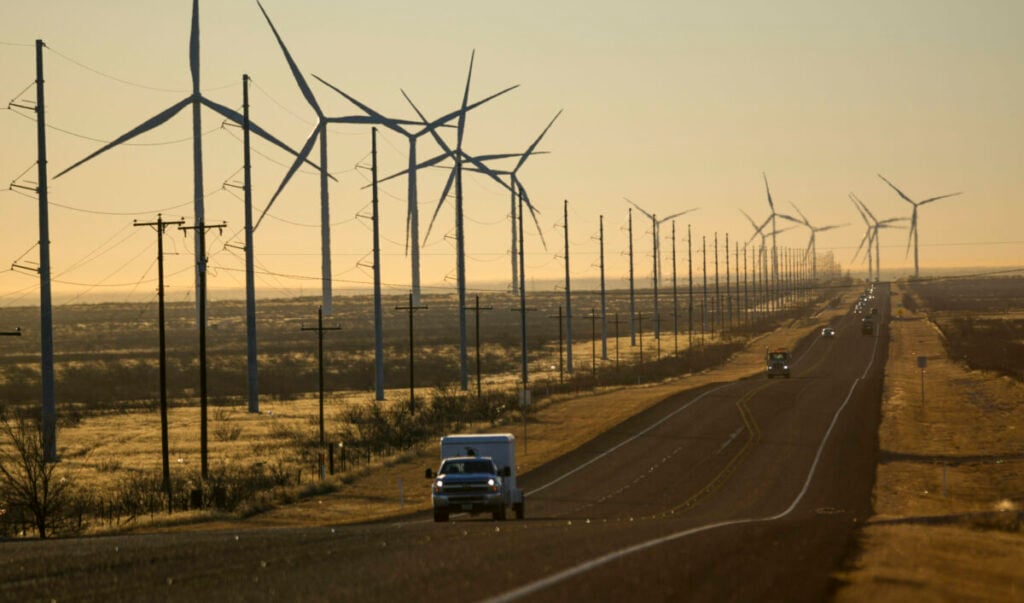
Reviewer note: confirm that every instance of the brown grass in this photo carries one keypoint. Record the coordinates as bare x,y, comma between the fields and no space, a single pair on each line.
400,487
950,485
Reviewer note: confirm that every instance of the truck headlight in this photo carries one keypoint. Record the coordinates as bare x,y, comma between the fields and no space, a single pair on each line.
785,367
438,486
493,484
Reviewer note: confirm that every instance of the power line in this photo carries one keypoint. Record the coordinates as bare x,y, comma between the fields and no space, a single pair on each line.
130,83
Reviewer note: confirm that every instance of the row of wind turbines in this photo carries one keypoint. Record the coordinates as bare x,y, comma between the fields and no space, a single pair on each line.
871,235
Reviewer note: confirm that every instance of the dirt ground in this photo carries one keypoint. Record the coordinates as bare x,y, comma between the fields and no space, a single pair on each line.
950,483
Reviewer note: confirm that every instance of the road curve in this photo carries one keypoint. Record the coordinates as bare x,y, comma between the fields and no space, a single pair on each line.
750,490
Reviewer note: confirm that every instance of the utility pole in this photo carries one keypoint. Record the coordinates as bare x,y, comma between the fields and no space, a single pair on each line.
704,306
45,299
632,293
201,229
717,316
460,270
525,376
640,332
411,308
476,308
561,367
250,271
320,328
604,306
728,289
689,305
568,292
616,340
161,225
657,315
675,296
593,343
378,313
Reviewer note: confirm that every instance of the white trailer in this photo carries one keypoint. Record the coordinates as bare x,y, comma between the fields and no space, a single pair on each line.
501,449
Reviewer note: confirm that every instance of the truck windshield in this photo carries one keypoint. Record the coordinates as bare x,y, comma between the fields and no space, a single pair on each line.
468,466
777,356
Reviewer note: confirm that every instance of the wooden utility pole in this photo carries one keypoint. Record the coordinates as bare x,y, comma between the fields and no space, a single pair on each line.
161,225
593,343
561,366
568,291
201,229
320,328
476,309
411,309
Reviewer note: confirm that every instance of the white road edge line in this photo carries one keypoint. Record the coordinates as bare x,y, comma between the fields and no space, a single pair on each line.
539,585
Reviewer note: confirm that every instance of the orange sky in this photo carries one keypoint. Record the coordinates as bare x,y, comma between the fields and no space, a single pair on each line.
672,104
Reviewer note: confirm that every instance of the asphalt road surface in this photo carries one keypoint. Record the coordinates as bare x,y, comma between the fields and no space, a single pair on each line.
742,491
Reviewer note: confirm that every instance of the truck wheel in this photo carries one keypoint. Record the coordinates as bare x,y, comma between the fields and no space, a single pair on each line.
520,508
499,513
440,516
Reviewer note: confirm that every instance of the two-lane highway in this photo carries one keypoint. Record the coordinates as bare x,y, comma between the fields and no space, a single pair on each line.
748,490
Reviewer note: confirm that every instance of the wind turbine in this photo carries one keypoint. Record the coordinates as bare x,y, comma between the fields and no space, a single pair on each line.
875,225
771,216
412,227
812,247
319,134
515,183
656,248
869,236
913,217
759,230
197,101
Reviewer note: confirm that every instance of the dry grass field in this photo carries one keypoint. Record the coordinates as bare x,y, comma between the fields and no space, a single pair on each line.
950,483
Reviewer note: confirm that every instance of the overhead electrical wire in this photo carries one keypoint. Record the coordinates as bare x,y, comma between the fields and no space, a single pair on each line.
130,83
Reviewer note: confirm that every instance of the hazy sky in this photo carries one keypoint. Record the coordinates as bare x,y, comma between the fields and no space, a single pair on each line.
672,104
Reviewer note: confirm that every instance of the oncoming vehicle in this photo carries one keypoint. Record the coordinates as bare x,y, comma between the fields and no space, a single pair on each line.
477,475
828,332
778,362
867,326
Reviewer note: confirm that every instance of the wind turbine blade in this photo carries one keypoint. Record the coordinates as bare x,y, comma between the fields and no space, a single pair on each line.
483,169
444,195
810,245
408,230
898,191
234,116
452,115
642,210
939,197
384,121
299,160
533,146
424,164
533,214
193,47
677,214
437,137
867,240
497,156
830,227
299,79
771,203
465,101
806,221
145,126
791,219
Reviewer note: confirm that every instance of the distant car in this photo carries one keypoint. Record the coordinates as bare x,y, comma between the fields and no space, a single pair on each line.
828,332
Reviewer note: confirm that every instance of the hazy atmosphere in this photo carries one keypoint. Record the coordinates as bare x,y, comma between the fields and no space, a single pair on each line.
674,105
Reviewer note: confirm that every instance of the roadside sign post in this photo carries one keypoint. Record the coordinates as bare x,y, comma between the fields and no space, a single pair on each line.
922,363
